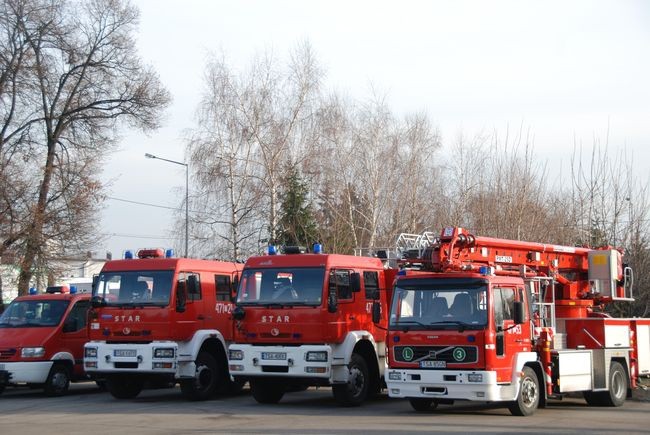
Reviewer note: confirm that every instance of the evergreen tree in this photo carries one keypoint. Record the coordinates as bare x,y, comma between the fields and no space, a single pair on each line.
297,226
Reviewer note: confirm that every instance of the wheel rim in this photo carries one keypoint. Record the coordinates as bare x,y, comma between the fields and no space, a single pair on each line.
617,384
528,392
59,381
357,381
203,377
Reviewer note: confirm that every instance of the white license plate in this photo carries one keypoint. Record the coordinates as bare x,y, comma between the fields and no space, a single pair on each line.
433,364
125,353
274,355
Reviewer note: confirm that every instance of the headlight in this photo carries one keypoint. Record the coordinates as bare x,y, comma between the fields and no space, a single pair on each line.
475,377
163,352
235,354
90,352
395,376
32,352
316,356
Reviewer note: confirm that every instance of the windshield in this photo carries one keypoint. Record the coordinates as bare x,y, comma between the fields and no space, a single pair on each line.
286,286
36,313
431,306
135,288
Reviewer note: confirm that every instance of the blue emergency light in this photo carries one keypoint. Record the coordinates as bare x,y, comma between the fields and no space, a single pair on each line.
318,248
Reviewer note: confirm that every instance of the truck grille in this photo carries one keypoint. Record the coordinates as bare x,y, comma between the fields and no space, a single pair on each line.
449,354
7,353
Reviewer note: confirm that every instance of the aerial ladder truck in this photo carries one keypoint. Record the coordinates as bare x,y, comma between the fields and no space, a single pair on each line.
495,320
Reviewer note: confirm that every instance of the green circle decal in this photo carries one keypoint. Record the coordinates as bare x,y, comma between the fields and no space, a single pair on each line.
407,354
459,354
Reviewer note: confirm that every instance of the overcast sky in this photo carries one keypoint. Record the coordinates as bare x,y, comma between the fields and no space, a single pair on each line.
566,70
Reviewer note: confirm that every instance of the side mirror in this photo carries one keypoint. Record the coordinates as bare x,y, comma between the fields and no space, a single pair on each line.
332,300
355,282
70,325
233,288
95,282
193,287
238,313
376,312
181,297
97,302
519,314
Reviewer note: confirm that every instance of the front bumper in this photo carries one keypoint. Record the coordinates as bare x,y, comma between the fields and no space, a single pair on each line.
30,372
447,384
281,361
134,358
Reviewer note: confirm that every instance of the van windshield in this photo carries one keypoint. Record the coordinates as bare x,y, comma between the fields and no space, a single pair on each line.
281,286
135,288
34,313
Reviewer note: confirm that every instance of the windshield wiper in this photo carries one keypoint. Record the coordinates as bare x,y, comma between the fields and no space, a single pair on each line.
461,325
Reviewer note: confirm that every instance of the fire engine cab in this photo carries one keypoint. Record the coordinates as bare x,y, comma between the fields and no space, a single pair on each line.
485,319
311,319
42,338
159,320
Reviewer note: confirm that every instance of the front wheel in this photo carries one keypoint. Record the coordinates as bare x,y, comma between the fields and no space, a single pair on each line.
267,391
58,381
355,391
423,405
124,386
528,398
206,380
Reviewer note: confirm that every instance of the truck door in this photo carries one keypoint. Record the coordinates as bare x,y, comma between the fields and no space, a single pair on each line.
510,338
190,310
74,333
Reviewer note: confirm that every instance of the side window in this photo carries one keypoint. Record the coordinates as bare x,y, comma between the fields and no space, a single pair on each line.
77,318
371,281
340,281
189,283
504,302
223,288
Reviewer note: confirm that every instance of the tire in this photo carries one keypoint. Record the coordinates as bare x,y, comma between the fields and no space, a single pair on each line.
423,405
101,384
124,386
58,381
267,391
617,392
528,397
593,398
206,380
356,390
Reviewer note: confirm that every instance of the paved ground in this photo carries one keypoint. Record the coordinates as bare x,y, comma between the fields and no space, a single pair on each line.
86,410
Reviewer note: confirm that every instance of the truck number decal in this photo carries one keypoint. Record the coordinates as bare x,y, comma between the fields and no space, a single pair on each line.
222,308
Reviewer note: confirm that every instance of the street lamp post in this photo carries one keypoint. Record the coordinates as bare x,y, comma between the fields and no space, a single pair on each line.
187,195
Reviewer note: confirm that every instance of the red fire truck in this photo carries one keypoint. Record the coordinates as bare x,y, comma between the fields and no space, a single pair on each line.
41,340
161,320
311,319
496,320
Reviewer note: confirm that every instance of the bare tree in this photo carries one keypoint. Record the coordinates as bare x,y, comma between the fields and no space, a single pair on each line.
249,127
75,75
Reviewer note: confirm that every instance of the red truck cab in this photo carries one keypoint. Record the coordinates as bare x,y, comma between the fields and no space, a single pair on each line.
41,341
311,319
158,320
